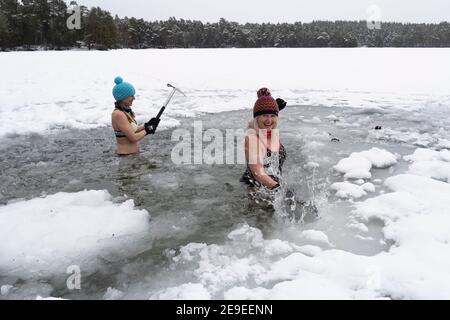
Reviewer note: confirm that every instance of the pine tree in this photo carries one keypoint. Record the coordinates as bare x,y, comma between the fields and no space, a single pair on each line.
101,31
3,32
13,22
58,34
30,23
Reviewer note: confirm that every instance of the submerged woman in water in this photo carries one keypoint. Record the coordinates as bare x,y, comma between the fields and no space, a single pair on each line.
265,155
128,132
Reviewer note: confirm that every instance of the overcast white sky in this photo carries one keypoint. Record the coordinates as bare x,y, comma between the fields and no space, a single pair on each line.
278,10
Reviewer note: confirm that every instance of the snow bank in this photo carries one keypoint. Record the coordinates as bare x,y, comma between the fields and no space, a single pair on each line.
417,218
422,154
44,236
430,163
81,82
415,215
433,169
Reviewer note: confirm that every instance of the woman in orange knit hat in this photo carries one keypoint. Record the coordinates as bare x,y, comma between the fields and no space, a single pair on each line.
264,152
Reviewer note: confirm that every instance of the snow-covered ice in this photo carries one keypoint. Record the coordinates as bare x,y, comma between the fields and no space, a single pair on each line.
379,158
81,82
4,289
44,236
348,190
430,163
41,236
316,236
358,165
354,167
112,294
416,267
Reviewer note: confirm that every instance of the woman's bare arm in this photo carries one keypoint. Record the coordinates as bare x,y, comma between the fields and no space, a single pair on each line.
254,153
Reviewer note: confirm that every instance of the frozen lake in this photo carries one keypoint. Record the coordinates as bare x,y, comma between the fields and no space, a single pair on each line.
190,231
197,204
41,91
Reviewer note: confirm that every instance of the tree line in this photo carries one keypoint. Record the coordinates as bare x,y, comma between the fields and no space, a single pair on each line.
32,24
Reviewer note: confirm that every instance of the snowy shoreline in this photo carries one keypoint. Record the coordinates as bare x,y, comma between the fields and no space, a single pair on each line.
44,91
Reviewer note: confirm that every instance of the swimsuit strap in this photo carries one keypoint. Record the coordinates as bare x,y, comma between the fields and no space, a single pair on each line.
118,133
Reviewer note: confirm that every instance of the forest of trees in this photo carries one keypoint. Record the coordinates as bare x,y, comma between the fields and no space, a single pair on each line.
41,24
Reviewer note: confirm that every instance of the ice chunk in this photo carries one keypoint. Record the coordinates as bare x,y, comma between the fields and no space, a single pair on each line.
368,187
112,294
430,163
378,157
316,236
422,154
438,170
357,166
47,235
358,174
4,290
347,190
354,166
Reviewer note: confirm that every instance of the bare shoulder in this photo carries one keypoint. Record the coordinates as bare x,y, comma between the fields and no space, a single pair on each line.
118,115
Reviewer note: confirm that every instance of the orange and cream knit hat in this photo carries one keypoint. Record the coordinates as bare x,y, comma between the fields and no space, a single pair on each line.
265,104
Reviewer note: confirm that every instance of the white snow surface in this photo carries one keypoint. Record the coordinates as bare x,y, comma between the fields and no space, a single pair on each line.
48,90
378,157
41,237
44,236
358,164
430,163
355,167
346,190
416,218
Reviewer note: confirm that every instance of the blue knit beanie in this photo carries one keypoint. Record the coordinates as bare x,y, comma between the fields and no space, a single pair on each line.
122,90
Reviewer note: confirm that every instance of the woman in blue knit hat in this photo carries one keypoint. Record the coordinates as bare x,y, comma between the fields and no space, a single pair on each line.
128,132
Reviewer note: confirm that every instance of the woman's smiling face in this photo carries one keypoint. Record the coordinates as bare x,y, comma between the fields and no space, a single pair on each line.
267,121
